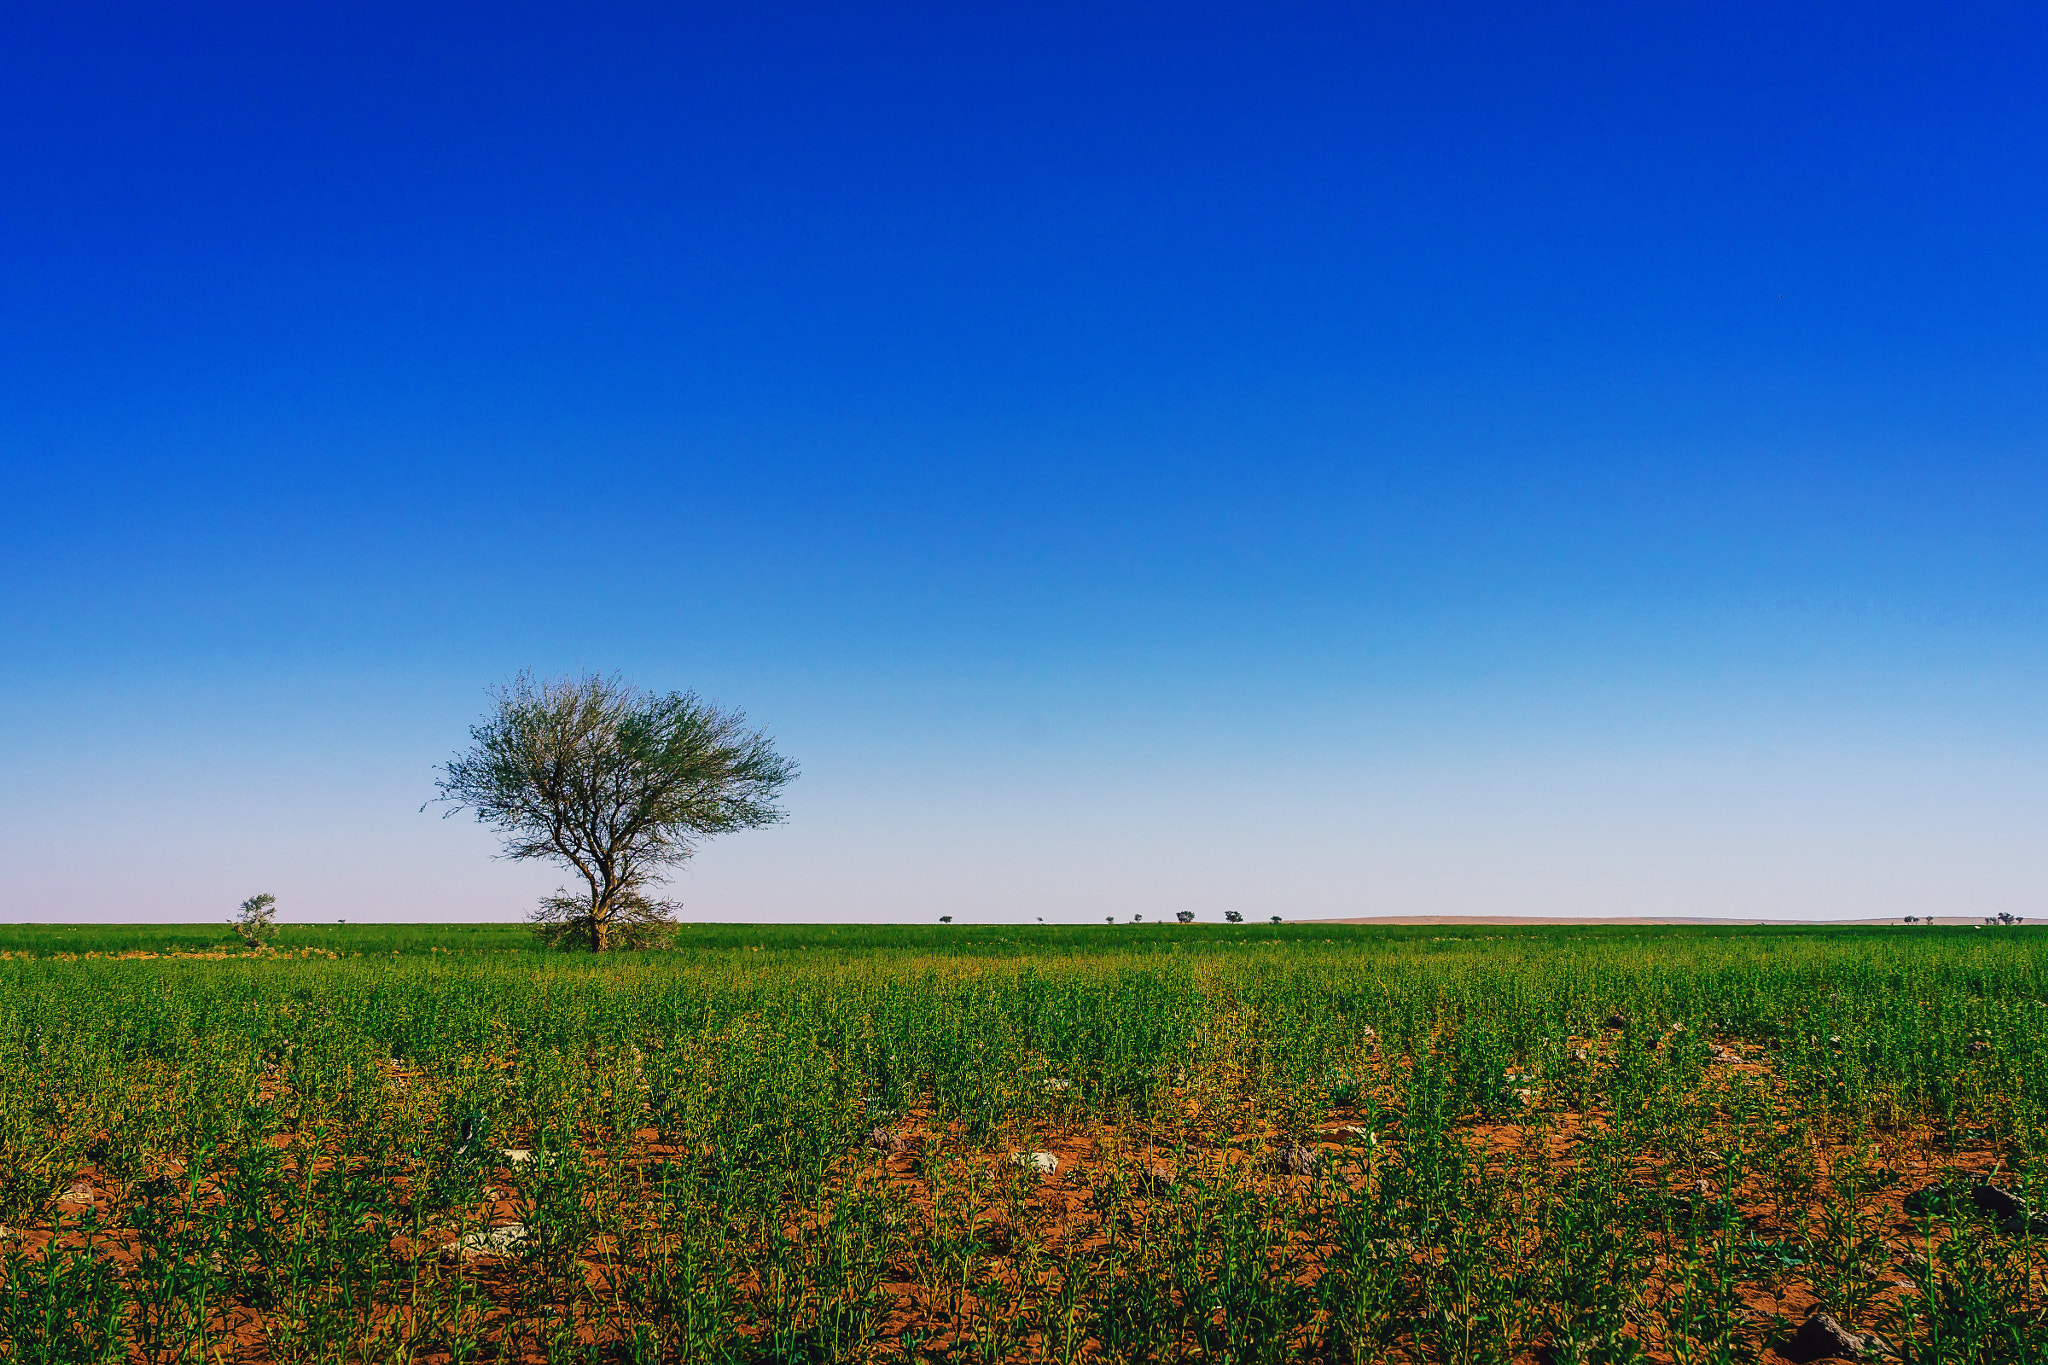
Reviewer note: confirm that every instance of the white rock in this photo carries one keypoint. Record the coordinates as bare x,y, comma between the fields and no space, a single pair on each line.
498,1241
79,1193
517,1156
1045,1163
1054,1085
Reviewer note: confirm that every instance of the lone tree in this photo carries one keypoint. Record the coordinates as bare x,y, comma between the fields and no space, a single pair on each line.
256,920
616,783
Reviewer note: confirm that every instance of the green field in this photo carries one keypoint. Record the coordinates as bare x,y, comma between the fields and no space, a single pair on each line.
1301,1142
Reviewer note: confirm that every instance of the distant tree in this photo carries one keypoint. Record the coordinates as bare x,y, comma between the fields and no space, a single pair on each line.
945,919
1912,919
1276,919
1233,917
1137,919
1184,916
256,920
617,784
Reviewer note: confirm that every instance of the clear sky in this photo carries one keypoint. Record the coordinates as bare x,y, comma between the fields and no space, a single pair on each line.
1308,461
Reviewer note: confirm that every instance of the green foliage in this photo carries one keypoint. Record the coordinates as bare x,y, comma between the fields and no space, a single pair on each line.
615,785
256,920
295,1140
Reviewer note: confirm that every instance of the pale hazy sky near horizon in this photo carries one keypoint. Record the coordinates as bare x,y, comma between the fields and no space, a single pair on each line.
1305,460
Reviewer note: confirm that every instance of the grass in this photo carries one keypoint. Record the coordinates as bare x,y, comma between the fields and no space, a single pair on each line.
1274,1143
52,940
55,940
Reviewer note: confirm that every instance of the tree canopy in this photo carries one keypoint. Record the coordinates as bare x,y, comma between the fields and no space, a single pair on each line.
616,783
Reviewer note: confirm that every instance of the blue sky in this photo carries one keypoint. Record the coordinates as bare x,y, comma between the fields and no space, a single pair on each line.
1313,461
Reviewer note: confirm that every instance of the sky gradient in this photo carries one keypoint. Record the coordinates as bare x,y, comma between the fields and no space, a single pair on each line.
1305,461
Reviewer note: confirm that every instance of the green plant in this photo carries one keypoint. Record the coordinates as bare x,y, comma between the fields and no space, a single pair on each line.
256,920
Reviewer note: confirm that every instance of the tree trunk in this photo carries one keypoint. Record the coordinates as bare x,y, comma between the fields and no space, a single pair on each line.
600,921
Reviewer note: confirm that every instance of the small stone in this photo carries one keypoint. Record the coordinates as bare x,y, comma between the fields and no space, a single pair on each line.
156,1187
1997,1201
1045,1163
1156,1179
1617,1022
1054,1085
78,1193
1295,1160
888,1140
1930,1199
1978,1045
1820,1336
1725,1056
516,1156
498,1241
472,1132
